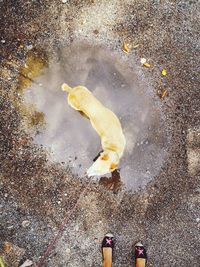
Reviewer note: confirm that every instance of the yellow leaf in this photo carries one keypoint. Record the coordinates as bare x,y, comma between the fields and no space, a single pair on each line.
126,47
164,72
135,46
147,65
164,94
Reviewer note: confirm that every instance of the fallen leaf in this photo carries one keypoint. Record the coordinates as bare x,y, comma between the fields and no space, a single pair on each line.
147,65
126,47
135,46
164,94
164,72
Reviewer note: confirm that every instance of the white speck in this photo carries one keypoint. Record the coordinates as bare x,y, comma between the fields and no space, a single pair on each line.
6,195
197,219
65,194
59,202
29,47
143,60
40,84
64,1
3,41
25,223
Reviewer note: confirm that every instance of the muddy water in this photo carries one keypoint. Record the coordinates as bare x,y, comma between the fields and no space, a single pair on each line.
69,136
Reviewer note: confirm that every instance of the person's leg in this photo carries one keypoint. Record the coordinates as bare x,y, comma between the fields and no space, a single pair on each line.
140,255
107,247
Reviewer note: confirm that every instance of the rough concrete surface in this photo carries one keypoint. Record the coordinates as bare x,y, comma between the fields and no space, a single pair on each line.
38,190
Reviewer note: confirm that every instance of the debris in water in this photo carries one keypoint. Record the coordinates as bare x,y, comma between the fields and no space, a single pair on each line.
126,47
164,72
105,123
27,263
143,61
147,65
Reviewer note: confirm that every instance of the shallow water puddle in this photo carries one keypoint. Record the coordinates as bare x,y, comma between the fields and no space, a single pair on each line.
70,137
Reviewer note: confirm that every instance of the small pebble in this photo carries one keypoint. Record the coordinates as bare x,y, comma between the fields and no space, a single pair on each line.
26,263
68,251
3,41
64,1
197,219
25,223
29,47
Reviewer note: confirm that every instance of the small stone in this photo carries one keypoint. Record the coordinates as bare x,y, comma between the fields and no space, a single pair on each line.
197,220
96,32
29,47
3,41
64,1
143,60
27,263
25,223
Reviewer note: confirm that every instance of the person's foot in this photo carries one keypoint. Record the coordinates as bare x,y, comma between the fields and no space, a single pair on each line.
107,249
140,255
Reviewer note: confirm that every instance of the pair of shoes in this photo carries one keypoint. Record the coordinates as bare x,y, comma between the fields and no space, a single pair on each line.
140,251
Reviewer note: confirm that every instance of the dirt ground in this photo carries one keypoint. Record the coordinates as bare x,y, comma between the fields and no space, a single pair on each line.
38,192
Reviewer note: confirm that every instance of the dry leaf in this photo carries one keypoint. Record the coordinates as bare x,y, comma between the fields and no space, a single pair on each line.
135,46
164,72
164,94
147,65
126,47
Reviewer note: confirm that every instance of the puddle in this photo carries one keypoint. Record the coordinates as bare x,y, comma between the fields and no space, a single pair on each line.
70,137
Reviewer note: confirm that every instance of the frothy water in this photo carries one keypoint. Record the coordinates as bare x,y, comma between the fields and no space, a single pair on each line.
70,137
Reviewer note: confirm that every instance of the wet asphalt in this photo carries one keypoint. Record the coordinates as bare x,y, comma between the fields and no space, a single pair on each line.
38,191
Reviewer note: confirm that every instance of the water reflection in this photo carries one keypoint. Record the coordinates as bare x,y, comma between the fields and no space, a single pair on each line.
69,135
